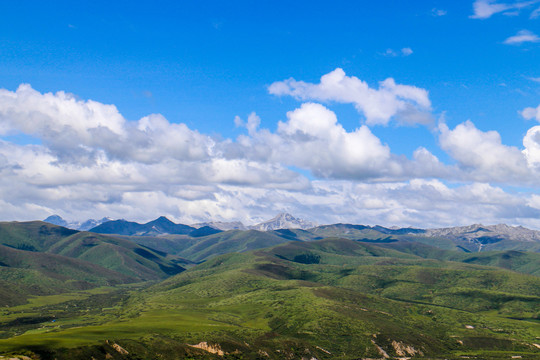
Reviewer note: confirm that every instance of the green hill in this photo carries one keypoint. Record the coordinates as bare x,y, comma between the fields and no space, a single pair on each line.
124,256
161,225
520,261
32,235
38,258
323,299
202,248
25,273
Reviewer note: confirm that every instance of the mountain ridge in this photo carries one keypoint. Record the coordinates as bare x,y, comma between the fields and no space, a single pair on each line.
474,238
75,225
283,221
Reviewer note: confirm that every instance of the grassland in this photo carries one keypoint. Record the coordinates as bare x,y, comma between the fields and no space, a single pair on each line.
38,258
327,299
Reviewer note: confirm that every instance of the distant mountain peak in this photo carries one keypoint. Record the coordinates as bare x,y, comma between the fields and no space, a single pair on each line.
54,217
161,220
221,225
76,225
56,220
477,236
284,221
284,215
159,226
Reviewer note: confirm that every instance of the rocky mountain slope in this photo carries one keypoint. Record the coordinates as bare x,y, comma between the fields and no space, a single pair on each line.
283,221
82,226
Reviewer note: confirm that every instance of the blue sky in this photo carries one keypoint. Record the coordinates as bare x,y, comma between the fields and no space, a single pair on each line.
204,63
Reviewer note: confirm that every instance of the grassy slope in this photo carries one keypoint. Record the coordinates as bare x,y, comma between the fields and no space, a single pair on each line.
59,267
38,258
32,235
202,248
308,299
120,255
520,261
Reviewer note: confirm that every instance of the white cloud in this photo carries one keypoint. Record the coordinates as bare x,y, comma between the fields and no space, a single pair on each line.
79,130
438,12
379,106
420,203
94,163
531,142
484,9
521,37
252,123
390,52
482,155
312,138
406,51
531,113
393,53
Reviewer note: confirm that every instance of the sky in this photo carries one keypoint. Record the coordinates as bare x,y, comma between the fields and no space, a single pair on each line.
395,113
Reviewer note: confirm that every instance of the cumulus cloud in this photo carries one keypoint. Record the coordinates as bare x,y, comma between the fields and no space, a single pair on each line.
379,106
92,162
531,113
79,130
406,51
312,138
531,142
523,36
421,203
251,124
482,154
483,9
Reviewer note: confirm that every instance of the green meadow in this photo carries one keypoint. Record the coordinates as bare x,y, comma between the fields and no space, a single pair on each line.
334,292
326,299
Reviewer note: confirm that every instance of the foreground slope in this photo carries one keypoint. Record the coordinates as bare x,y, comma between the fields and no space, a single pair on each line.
325,299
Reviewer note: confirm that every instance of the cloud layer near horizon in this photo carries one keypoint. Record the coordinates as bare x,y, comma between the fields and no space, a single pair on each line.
87,160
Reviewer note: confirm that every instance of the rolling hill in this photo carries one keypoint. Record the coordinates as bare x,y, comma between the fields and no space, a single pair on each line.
161,225
24,274
332,298
39,258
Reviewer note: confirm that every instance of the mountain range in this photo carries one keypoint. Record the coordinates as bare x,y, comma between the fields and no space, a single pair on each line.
339,291
381,296
162,225
474,237
82,226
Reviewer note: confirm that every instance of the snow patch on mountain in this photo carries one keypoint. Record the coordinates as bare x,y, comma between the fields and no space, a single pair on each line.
76,225
284,221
